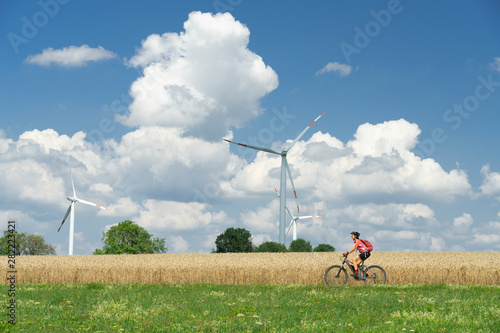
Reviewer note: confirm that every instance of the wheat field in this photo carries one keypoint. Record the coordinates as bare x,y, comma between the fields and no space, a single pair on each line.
250,268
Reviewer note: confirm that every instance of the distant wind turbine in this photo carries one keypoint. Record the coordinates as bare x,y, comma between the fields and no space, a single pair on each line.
284,169
71,213
293,222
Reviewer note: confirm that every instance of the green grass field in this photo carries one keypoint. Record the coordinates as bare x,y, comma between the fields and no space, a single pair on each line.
253,308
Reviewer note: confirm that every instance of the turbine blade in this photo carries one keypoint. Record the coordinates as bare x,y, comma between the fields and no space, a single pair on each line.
305,130
289,227
253,147
293,185
91,204
65,216
308,217
288,210
72,184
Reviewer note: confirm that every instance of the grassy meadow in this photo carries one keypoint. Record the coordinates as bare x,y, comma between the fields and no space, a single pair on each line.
99,307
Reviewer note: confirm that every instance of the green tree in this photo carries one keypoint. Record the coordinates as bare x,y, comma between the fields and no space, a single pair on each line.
271,247
25,244
300,245
129,238
234,240
324,248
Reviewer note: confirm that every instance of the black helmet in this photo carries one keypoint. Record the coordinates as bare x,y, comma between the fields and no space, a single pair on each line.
355,233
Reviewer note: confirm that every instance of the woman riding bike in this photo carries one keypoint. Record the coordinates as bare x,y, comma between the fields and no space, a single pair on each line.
363,255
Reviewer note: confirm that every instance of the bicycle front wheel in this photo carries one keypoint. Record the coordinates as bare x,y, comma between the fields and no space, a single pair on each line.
336,275
375,275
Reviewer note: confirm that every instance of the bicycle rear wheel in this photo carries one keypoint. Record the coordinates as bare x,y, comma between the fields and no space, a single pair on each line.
335,275
375,275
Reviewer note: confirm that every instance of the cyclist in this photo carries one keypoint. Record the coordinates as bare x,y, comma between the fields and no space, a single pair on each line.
358,245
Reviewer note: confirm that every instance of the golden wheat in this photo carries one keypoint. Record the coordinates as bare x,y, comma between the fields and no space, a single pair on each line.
249,268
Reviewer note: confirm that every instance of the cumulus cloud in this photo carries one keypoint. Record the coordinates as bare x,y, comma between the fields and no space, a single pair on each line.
437,244
385,138
177,244
491,181
461,226
341,69
30,181
25,221
487,240
175,216
202,81
464,220
378,162
158,161
124,207
167,183
262,220
394,215
72,56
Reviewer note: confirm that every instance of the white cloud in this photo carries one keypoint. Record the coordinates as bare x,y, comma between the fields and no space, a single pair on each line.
494,226
49,139
341,69
437,244
24,222
384,138
491,181
177,244
378,161
487,240
404,235
178,216
464,220
124,207
395,215
101,187
30,181
461,225
158,160
72,56
263,219
200,81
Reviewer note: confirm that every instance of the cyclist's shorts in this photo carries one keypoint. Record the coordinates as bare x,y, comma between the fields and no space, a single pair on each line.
364,255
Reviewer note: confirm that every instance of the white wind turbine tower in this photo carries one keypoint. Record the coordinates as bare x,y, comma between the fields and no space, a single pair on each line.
293,222
71,213
284,169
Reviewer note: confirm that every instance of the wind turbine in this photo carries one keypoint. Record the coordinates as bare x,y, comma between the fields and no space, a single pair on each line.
71,213
284,169
293,222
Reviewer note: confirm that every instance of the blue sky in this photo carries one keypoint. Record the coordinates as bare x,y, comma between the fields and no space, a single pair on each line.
137,97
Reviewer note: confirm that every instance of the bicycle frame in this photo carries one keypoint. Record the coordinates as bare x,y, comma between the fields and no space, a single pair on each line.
351,266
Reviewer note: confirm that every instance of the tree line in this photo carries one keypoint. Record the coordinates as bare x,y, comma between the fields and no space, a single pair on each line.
235,240
130,238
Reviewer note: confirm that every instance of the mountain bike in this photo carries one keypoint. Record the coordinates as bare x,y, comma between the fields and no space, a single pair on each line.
336,275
